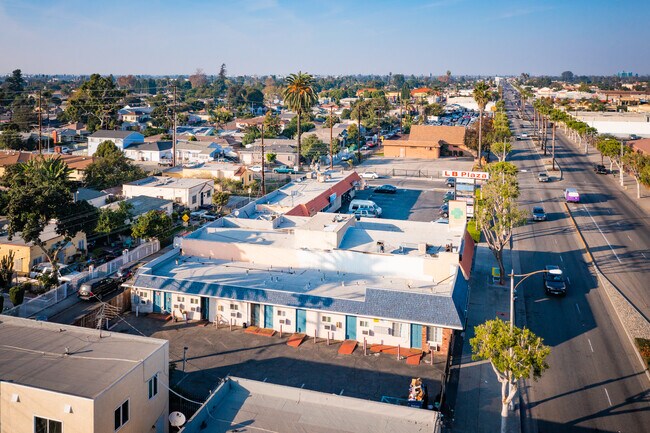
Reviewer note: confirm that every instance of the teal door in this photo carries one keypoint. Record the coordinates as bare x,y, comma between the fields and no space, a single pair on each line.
301,321
205,309
168,302
350,327
255,315
268,316
416,336
157,302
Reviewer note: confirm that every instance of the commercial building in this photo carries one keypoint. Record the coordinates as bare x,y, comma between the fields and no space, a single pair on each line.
192,193
328,275
429,142
618,124
63,379
259,406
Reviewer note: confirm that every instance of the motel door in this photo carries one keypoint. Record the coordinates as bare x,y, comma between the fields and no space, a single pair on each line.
255,314
301,321
204,308
416,336
157,302
350,327
168,302
268,316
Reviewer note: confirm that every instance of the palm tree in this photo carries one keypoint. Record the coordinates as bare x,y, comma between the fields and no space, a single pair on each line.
299,96
481,95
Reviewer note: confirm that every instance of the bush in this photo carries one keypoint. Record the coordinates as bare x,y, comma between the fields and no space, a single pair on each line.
17,294
644,348
473,231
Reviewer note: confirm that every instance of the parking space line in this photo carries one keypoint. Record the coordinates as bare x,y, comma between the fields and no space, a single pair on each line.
302,386
578,308
590,346
608,399
341,393
265,379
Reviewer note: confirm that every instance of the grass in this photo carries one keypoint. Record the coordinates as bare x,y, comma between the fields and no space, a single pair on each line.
644,348
473,231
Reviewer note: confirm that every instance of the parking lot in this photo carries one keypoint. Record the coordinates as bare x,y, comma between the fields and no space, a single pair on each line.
405,204
216,353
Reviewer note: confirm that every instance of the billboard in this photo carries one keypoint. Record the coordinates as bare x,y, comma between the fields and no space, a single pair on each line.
481,175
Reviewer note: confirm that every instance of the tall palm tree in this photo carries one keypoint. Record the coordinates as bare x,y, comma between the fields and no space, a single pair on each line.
481,95
299,96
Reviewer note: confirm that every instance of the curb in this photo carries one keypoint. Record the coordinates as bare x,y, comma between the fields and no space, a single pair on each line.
601,279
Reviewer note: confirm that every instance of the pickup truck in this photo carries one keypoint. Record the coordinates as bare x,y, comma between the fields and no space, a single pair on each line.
283,169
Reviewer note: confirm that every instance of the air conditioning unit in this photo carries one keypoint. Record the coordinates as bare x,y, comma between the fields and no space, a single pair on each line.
175,305
365,332
282,321
233,314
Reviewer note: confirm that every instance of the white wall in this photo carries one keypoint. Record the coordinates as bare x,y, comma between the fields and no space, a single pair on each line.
242,311
143,300
186,306
289,319
377,332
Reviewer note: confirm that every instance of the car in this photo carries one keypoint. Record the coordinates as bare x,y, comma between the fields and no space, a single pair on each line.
444,210
40,269
127,271
571,195
97,288
451,182
365,148
542,177
346,157
554,283
386,189
283,169
366,212
524,135
369,175
449,195
255,168
600,169
539,214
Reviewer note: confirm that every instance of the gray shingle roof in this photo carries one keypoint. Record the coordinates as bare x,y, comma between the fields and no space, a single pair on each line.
158,146
113,134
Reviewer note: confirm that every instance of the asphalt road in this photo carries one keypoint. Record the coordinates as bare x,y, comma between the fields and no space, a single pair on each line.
594,382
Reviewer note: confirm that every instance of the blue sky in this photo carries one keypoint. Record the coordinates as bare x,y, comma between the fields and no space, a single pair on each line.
325,36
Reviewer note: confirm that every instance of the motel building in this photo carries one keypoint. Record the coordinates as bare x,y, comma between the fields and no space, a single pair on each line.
389,282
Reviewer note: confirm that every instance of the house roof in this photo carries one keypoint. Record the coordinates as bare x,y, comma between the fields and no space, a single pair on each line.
142,204
431,136
68,359
642,145
322,200
88,194
420,90
151,146
76,162
113,134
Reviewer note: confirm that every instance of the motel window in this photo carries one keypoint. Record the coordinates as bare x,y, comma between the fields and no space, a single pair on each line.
282,313
397,329
234,307
327,319
180,298
364,324
153,386
193,199
194,301
143,294
121,415
44,425
435,334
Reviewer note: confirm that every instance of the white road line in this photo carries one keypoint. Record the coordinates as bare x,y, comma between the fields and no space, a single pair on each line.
578,308
603,234
555,241
568,280
590,346
608,399
644,256
265,379
628,236
341,393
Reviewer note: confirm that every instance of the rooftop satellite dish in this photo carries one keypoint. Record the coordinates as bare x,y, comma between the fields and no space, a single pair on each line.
236,213
176,419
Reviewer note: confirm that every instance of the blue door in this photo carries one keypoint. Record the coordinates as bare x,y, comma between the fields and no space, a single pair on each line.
268,316
301,321
350,327
157,302
416,336
168,302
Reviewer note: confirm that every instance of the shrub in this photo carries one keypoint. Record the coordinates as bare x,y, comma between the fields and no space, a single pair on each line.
17,294
644,348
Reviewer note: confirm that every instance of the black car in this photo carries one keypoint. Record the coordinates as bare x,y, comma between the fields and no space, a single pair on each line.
600,169
451,182
449,195
444,210
386,189
97,288
539,214
554,283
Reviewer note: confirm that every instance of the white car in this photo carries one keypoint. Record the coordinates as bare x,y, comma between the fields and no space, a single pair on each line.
369,175
256,168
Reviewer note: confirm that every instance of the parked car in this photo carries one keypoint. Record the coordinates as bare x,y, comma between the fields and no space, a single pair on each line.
255,168
386,189
539,214
97,288
600,169
444,210
451,182
366,213
41,268
554,283
283,169
127,271
542,177
369,175
364,204
449,195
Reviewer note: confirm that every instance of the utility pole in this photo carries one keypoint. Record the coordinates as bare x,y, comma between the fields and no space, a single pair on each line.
359,127
331,138
263,158
40,123
174,129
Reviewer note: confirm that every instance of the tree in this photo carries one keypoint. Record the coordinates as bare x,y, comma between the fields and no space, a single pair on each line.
114,220
111,168
220,117
220,199
567,76
270,157
271,125
299,96
313,148
501,149
481,95
17,294
514,354
353,134
153,224
15,82
10,139
95,103
613,149
498,215
637,165
126,81
198,79
6,271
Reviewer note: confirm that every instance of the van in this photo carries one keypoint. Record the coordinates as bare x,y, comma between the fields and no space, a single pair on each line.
365,204
571,195
97,288
365,212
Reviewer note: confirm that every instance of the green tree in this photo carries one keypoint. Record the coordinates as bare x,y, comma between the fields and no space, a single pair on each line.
313,148
252,133
497,214
17,294
481,95
220,199
111,168
299,96
271,125
637,164
613,149
514,354
10,139
501,149
220,117
6,271
153,224
270,157
114,220
95,103
353,134
346,113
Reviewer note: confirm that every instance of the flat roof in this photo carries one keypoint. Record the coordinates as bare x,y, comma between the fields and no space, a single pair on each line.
295,193
33,353
169,182
247,404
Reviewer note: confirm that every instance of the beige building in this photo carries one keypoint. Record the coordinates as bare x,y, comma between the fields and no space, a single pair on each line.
428,142
63,379
192,193
77,163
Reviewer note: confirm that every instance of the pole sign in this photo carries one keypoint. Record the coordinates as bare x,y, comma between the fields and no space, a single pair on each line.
482,175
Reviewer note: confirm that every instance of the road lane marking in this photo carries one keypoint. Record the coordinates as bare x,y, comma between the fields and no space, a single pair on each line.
644,256
603,234
578,308
608,399
265,379
590,346
628,236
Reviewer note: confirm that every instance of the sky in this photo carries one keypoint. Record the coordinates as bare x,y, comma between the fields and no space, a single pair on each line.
325,37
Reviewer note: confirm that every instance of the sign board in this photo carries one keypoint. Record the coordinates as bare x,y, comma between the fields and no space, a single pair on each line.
186,217
482,175
457,213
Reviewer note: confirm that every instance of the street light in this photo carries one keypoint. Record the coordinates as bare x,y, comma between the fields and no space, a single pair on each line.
513,288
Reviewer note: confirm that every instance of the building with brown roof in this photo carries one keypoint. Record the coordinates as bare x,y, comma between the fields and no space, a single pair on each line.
641,145
78,163
428,142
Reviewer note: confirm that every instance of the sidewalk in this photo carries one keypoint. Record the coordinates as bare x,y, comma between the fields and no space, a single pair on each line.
478,395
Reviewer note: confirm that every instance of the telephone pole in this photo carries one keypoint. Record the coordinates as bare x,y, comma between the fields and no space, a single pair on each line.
40,123
331,140
174,129
263,158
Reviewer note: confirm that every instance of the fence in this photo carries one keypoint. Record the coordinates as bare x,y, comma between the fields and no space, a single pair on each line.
31,307
106,311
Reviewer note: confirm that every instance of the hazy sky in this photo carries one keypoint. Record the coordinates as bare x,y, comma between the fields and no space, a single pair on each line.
325,36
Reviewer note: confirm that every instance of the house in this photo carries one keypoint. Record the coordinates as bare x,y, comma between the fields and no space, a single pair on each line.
218,170
78,163
641,145
284,149
191,193
420,93
247,123
367,90
134,114
28,255
142,204
429,142
392,282
155,151
61,378
248,402
92,196
122,139
198,151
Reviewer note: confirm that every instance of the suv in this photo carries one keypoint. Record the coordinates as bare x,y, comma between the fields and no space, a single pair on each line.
366,212
554,281
451,182
283,169
600,169
539,214
97,288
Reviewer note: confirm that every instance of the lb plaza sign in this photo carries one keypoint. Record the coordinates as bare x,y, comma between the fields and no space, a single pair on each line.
481,175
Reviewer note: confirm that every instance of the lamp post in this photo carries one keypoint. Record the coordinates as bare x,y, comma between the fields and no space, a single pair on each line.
513,288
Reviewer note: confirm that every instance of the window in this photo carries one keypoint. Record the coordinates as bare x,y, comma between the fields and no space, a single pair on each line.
364,324
194,301
44,425
435,334
234,307
143,294
180,298
153,386
121,415
396,329
327,319
282,313
193,199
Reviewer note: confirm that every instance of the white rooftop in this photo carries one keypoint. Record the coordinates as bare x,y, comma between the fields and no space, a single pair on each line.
169,182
